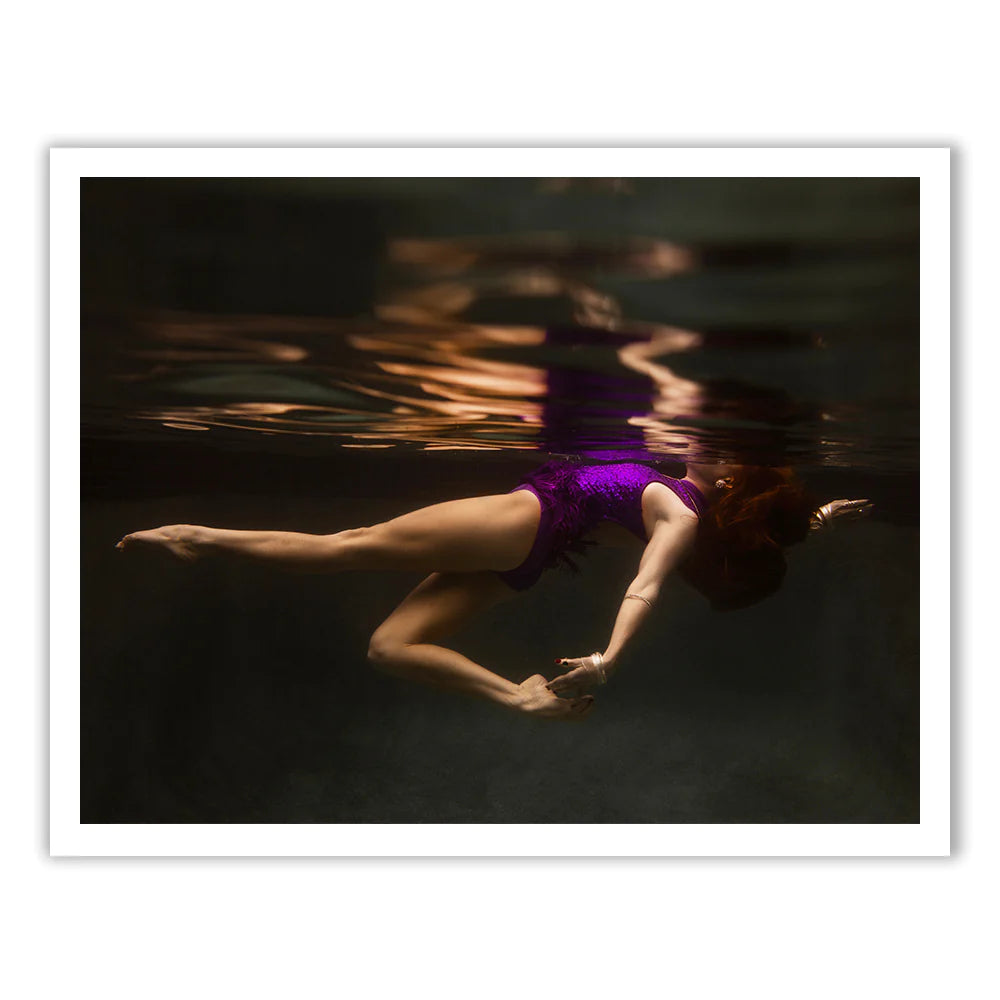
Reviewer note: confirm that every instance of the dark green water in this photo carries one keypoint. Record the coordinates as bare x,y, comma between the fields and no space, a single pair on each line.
314,355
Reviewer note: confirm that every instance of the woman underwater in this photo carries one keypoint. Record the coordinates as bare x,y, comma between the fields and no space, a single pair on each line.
722,527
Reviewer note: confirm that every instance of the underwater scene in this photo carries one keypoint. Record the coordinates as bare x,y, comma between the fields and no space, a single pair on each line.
312,355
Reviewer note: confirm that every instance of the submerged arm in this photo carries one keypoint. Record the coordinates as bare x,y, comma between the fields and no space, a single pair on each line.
669,543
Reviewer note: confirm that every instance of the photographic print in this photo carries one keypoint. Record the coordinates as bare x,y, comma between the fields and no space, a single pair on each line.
425,507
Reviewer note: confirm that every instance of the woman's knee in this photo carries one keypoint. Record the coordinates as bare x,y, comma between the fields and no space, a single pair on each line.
386,650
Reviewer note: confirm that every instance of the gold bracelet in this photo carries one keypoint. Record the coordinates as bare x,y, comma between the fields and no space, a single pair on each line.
639,597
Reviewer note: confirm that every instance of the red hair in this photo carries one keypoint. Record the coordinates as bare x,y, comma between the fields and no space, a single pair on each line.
738,557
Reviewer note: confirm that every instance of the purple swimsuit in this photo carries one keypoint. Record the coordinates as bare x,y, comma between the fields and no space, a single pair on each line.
575,497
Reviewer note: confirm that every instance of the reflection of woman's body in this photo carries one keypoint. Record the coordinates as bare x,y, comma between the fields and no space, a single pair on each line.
481,549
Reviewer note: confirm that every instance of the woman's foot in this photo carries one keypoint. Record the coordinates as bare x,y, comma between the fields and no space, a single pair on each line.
534,698
179,540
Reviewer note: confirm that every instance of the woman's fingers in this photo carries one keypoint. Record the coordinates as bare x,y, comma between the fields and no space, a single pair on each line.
565,690
851,508
574,663
575,681
854,511
564,684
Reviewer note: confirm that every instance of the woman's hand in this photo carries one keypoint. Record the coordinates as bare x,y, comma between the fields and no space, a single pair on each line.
583,672
839,510
534,698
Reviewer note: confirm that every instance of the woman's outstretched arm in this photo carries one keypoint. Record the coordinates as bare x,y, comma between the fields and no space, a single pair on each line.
670,541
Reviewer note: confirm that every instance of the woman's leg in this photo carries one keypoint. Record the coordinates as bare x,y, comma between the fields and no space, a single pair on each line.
405,645
479,533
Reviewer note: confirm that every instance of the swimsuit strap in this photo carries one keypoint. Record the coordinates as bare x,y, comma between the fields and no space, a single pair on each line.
689,494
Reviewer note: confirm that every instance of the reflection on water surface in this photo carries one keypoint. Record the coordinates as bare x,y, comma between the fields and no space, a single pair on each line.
760,345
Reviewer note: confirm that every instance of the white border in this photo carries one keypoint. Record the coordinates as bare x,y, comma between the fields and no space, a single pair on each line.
68,837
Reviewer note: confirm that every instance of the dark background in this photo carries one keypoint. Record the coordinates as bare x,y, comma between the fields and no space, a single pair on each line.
230,694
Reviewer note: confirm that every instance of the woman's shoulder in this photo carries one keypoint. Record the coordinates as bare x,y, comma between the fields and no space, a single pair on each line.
662,502
673,491
672,496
